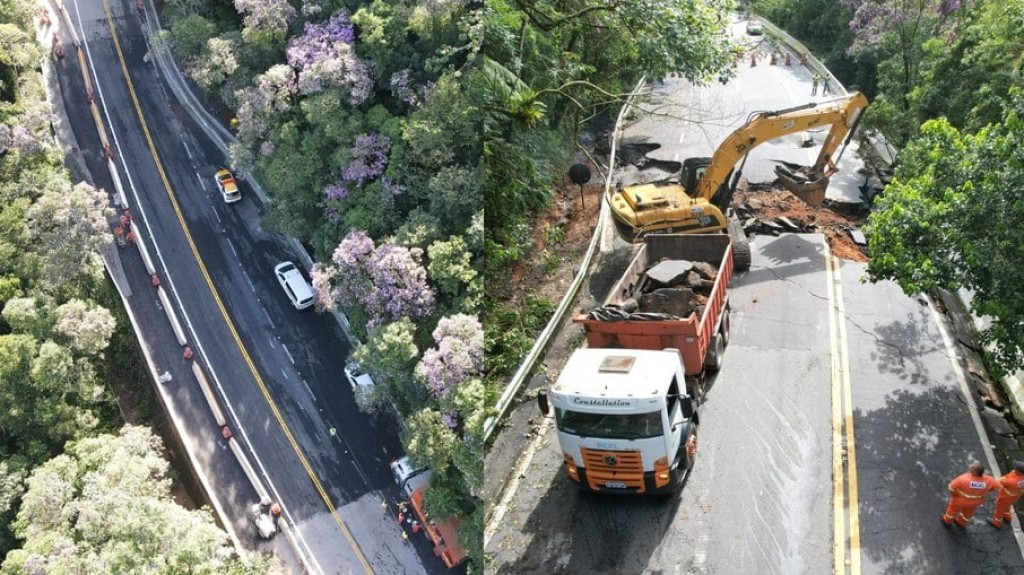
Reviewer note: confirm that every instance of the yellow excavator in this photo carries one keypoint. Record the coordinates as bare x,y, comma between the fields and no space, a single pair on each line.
699,204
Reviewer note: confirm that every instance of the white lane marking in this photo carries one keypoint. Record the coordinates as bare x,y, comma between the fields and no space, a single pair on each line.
248,279
288,353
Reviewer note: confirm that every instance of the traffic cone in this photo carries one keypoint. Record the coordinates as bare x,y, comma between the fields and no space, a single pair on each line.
753,59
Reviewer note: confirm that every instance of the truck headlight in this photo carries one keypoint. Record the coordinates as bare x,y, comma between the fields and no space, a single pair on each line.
662,475
570,468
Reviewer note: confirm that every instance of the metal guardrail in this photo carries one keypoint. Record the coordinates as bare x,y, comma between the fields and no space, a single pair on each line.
516,383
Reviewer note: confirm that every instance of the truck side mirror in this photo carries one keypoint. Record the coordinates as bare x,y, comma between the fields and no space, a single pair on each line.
542,402
687,405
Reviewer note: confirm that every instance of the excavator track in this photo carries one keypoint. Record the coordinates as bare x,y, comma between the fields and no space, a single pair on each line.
740,246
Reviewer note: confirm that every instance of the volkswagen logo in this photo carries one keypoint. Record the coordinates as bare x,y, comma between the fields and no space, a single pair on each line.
611,460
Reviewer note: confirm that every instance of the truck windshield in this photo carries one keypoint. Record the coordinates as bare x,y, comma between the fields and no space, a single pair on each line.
610,425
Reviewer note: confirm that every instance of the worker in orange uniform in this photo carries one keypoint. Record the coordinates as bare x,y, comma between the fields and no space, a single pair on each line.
1010,490
967,492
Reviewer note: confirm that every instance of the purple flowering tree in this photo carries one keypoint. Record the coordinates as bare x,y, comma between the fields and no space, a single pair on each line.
389,282
400,286
459,355
272,94
368,158
345,281
900,27
324,56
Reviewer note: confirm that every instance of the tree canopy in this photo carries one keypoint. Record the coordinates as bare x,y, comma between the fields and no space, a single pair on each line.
951,219
104,505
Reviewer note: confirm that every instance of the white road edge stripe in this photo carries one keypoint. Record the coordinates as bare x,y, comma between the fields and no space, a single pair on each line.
961,377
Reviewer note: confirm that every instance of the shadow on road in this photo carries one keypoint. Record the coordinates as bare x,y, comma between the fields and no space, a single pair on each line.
907,452
596,534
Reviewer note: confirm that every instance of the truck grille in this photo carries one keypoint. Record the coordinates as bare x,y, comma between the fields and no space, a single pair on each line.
613,469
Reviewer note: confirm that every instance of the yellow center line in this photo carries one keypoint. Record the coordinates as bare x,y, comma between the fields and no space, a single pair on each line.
838,508
843,442
853,505
220,305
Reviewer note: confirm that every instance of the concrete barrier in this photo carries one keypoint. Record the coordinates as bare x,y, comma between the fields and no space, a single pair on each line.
211,398
171,316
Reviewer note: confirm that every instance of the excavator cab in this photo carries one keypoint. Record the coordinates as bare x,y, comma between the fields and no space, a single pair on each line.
693,171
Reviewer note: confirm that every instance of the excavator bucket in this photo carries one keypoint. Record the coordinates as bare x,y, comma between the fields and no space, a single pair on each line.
810,190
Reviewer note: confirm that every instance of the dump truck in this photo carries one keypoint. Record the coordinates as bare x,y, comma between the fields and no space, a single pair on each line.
444,536
626,407
696,324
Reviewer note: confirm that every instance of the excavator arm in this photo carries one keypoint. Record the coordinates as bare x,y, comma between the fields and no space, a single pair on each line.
807,182
700,205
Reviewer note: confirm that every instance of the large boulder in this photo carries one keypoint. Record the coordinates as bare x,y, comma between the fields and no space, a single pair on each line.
669,273
671,301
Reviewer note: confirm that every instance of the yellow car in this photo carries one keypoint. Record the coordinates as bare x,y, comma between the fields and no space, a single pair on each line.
227,186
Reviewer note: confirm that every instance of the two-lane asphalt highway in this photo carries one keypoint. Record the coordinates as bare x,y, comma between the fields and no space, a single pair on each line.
278,371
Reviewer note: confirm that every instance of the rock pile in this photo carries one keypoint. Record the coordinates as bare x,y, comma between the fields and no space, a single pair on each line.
669,289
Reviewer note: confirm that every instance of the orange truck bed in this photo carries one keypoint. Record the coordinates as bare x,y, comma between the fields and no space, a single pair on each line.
691,335
444,536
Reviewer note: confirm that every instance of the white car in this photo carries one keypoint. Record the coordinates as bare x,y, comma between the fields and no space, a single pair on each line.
360,382
754,27
294,285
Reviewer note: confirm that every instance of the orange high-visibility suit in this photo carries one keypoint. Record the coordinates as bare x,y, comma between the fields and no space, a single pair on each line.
1010,490
967,492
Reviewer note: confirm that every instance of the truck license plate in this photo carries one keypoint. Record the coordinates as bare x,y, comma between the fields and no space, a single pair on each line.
614,485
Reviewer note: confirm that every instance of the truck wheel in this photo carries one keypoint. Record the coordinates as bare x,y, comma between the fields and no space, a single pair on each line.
724,328
698,391
740,246
713,360
691,450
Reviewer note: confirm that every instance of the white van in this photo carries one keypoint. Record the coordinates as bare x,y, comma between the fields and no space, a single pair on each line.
294,285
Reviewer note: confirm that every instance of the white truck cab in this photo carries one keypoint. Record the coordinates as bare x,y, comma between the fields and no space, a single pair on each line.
625,423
